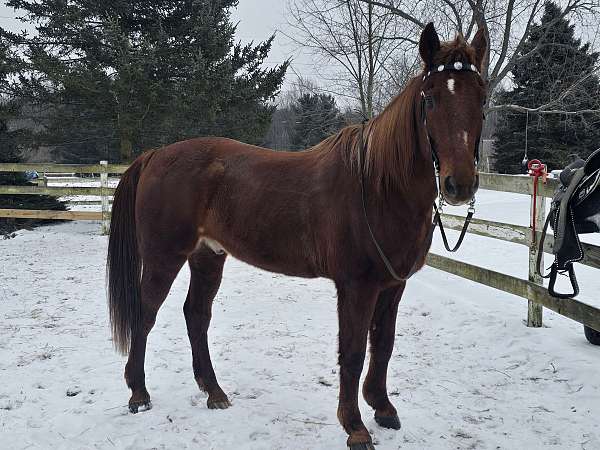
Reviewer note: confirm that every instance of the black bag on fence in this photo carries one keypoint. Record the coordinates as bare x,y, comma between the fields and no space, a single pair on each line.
575,210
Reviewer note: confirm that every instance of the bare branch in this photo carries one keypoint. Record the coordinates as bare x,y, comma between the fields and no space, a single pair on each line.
396,11
538,110
452,5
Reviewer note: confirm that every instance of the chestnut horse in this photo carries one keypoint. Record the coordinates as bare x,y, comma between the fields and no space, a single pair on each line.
301,214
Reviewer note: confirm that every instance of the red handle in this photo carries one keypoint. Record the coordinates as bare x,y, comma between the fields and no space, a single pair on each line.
537,169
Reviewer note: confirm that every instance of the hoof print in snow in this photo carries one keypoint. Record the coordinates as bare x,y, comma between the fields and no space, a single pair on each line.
72,392
324,382
9,405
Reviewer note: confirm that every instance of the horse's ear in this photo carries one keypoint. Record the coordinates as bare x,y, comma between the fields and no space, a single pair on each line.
429,44
480,44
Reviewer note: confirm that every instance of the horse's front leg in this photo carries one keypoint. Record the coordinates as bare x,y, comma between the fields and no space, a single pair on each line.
356,303
381,337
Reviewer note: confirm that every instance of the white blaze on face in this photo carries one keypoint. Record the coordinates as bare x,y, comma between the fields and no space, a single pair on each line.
451,85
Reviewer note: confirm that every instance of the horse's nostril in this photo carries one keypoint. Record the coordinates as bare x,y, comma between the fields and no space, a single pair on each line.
450,186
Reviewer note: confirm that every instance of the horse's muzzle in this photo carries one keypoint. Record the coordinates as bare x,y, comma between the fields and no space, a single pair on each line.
457,193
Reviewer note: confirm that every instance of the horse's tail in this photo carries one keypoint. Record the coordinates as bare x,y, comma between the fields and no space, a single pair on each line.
124,263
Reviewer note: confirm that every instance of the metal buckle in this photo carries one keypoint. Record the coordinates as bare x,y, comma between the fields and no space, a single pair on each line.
471,206
441,202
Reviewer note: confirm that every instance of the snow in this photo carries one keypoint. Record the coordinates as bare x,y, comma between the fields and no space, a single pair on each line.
465,373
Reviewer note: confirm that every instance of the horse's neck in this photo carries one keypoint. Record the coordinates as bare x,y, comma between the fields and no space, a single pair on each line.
419,193
419,189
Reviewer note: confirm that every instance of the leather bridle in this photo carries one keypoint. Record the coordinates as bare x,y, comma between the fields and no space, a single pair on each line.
425,102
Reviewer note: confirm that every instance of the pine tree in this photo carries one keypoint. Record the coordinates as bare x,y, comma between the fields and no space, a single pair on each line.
117,77
560,62
316,118
10,65
9,152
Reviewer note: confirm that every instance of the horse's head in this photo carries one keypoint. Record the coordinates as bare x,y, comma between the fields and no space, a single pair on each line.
453,96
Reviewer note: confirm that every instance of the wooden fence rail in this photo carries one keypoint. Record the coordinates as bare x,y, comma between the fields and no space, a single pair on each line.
517,234
63,168
50,215
103,191
56,191
531,289
571,308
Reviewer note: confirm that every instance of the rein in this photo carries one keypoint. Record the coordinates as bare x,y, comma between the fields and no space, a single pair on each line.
363,194
437,220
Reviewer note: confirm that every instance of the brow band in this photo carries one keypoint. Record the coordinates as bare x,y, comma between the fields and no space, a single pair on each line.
456,66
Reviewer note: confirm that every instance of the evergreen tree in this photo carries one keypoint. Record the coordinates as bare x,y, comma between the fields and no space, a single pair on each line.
117,77
316,118
559,62
10,65
9,152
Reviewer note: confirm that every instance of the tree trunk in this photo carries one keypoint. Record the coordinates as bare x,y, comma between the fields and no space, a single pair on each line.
371,75
126,146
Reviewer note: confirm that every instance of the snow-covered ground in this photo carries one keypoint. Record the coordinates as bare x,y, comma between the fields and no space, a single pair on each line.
465,373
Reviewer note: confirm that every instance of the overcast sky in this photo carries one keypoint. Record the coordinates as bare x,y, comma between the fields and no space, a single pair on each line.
258,19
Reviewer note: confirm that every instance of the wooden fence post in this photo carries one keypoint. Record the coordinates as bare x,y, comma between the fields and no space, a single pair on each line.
104,197
535,310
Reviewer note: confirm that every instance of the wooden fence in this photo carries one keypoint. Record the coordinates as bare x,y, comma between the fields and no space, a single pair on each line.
103,169
531,289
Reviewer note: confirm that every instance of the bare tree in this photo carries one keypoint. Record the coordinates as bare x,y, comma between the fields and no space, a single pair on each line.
285,118
361,39
508,24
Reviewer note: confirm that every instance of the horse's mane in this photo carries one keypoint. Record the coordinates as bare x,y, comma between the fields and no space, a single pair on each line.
393,136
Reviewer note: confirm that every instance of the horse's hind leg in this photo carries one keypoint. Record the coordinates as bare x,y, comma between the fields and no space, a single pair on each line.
157,279
381,335
206,270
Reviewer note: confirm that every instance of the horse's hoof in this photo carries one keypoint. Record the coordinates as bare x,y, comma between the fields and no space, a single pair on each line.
362,446
392,422
218,404
142,406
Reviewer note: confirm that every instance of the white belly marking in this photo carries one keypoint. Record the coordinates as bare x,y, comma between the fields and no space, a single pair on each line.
212,244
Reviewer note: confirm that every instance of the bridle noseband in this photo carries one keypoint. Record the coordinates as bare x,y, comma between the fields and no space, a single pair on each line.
426,101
